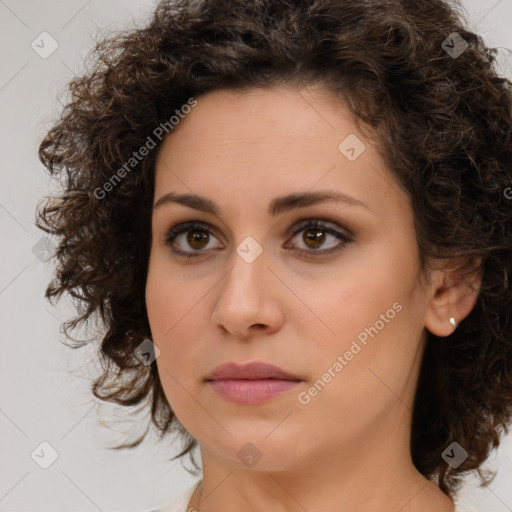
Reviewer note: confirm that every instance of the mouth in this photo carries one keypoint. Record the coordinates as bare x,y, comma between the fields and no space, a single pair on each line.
252,383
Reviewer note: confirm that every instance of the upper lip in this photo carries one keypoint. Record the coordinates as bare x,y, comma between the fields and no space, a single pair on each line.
250,371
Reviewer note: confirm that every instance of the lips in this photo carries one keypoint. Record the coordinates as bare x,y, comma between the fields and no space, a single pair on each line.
251,384
250,371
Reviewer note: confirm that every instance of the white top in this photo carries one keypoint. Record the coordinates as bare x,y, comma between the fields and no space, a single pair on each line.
180,503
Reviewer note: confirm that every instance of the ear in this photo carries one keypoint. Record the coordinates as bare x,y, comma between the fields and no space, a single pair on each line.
454,290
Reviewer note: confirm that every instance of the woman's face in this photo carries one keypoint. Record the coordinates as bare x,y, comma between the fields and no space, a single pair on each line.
339,307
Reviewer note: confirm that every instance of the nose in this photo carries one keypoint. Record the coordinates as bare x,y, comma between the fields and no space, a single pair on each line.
248,299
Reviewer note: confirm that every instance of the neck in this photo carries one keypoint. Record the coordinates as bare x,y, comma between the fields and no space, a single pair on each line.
376,475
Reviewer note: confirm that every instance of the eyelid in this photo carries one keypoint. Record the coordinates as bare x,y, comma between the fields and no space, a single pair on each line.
295,227
323,222
185,226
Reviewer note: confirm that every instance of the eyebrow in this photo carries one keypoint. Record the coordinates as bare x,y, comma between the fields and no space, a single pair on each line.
277,206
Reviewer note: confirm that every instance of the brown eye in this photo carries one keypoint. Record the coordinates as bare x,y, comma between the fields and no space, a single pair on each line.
315,235
197,239
194,243
314,238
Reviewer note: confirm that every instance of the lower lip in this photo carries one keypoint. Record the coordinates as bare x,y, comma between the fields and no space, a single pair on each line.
251,392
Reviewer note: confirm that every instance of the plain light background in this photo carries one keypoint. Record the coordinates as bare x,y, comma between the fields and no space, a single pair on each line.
45,387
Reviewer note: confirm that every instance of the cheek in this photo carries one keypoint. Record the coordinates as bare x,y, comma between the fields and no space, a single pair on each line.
354,383
158,307
175,312
354,297
167,309
367,317
167,296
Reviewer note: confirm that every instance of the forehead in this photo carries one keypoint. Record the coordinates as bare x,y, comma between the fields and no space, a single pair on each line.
260,116
260,143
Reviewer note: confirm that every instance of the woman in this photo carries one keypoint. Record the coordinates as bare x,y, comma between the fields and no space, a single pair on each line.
293,220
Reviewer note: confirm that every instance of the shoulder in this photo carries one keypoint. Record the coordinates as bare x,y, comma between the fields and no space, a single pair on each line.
180,503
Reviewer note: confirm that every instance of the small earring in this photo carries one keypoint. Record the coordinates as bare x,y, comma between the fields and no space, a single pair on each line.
453,322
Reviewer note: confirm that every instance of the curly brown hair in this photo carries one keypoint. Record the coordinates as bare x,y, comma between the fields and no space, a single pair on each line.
444,125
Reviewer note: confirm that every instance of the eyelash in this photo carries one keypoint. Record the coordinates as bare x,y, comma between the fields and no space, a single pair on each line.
301,226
